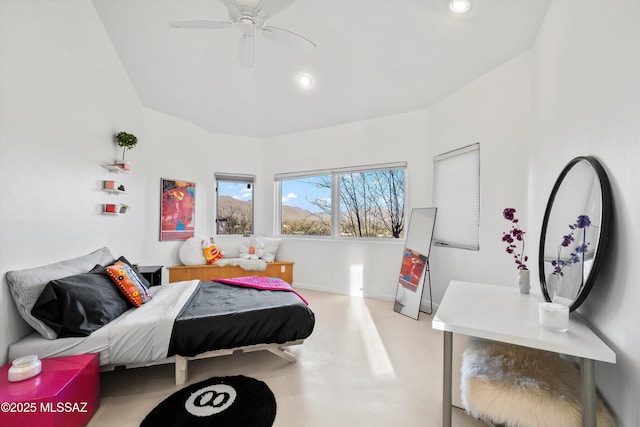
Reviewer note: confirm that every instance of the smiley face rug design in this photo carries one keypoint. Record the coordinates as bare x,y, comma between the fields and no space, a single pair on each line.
236,401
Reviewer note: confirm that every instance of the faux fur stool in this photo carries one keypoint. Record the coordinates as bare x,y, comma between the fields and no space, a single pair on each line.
523,387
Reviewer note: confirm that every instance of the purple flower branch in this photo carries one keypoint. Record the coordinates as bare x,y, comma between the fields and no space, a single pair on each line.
514,235
583,222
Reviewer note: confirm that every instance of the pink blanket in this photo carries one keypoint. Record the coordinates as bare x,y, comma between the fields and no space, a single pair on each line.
262,283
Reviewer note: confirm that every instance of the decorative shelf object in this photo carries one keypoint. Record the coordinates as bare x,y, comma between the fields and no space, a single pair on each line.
112,209
113,187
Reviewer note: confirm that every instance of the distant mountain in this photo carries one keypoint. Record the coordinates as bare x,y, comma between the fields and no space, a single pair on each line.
296,213
228,204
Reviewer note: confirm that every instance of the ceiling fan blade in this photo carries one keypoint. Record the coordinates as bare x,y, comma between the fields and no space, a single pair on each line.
288,38
273,7
201,24
246,49
233,10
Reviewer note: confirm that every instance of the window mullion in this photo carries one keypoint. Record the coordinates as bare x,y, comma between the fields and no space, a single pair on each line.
335,205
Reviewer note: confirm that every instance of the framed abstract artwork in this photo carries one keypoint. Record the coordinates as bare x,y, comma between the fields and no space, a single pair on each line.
177,209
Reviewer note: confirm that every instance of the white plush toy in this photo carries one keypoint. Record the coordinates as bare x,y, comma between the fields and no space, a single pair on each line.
211,251
251,249
190,252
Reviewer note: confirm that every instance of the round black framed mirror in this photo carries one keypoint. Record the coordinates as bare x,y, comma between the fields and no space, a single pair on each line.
575,232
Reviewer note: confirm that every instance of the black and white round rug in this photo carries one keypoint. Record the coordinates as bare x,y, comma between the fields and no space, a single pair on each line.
236,401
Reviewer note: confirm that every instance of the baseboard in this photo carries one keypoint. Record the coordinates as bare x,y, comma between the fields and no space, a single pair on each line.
424,305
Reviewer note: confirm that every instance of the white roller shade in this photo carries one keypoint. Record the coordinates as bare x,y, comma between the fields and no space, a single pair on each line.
456,194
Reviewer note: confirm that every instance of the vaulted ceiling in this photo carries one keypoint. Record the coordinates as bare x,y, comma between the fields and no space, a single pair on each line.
373,58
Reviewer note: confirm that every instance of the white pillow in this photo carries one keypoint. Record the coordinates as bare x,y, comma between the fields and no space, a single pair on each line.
229,246
251,249
270,248
27,285
190,252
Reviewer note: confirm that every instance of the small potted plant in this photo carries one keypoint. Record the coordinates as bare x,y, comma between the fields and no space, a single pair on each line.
123,208
127,141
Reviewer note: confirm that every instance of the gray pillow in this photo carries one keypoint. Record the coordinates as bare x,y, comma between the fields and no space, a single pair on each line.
76,306
27,285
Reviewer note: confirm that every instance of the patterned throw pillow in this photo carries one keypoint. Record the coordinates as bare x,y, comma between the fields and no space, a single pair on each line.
129,283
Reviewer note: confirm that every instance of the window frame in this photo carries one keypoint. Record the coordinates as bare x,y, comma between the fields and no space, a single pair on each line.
335,199
237,179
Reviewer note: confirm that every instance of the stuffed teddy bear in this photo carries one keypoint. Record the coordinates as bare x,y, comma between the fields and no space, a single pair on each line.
252,249
211,251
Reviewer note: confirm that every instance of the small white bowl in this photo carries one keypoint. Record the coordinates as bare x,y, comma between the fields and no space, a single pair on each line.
24,368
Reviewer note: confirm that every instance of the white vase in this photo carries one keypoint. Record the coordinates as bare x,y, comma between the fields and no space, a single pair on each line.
523,281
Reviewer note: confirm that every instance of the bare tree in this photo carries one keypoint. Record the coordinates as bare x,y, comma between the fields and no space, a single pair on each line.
387,196
371,203
233,220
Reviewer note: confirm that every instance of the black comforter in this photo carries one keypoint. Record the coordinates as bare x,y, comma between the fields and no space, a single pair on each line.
220,316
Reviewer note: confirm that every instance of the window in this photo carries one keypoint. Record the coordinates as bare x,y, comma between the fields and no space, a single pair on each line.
456,194
306,206
234,203
348,202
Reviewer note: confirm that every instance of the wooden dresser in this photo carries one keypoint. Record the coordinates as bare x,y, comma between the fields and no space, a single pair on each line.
280,269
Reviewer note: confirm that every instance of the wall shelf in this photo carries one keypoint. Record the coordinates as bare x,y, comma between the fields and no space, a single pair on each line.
116,169
114,187
114,191
114,208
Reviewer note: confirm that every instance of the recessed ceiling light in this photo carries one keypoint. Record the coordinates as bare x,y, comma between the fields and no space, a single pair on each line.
305,81
459,6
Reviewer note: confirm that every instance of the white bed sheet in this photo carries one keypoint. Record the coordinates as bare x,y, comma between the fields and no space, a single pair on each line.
139,336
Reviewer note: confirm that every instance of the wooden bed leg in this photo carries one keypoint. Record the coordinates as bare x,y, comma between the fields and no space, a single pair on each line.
182,369
282,352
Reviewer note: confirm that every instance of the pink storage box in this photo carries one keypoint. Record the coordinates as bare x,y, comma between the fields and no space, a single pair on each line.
65,394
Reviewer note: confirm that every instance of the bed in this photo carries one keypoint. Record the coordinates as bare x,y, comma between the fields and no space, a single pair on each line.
181,321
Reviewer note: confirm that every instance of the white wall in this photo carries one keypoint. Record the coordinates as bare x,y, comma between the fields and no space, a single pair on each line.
368,268
179,150
587,102
64,95
495,111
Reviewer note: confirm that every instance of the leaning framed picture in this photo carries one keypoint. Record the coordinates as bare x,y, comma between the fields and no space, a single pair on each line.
412,268
177,209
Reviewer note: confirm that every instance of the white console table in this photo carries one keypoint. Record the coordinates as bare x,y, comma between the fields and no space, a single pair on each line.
501,313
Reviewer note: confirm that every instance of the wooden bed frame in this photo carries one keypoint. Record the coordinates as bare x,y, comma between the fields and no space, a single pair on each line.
182,362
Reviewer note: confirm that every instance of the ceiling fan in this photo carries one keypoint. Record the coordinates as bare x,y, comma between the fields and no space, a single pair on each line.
250,16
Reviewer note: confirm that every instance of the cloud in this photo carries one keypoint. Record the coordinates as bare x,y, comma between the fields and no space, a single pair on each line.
245,194
289,197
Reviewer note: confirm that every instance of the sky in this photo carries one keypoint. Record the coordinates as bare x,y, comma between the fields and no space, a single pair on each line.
237,190
294,192
298,193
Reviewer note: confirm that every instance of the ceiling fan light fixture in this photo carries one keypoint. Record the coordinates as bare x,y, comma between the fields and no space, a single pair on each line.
459,6
246,25
304,80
